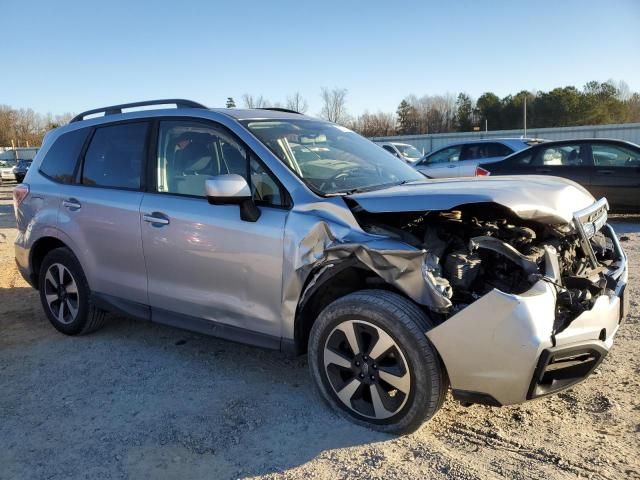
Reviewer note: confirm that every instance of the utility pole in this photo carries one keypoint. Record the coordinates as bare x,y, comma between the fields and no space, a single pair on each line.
486,125
525,116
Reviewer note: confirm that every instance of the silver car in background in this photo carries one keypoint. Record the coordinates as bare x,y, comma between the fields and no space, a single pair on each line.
465,159
403,151
287,232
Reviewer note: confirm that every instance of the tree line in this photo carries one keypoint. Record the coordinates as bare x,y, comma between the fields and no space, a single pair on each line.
594,104
25,128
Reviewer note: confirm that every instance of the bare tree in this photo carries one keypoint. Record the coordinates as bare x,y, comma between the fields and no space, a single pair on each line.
254,102
297,102
334,105
379,124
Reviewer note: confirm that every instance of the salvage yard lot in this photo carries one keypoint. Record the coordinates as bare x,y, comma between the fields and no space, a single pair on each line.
141,400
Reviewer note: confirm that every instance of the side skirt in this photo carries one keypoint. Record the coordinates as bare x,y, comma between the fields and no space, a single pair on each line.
187,322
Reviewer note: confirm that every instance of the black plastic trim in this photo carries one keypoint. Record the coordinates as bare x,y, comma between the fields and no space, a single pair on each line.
581,371
144,312
215,329
115,109
121,306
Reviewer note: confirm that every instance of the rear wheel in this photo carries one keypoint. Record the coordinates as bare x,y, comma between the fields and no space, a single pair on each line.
371,361
65,294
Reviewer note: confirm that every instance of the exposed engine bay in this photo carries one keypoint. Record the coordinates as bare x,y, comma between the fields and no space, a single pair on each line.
473,249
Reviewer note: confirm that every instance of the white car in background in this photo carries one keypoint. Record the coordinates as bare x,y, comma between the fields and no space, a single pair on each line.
403,151
465,159
6,170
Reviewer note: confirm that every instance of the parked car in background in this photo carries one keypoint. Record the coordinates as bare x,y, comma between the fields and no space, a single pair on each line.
6,170
21,169
283,231
403,151
465,159
607,168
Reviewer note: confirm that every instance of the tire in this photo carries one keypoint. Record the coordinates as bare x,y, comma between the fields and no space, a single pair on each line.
78,315
407,359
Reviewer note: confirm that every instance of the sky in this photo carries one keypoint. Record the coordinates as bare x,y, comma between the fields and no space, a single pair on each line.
68,56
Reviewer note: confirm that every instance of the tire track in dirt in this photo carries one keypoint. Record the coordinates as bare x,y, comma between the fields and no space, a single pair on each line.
539,454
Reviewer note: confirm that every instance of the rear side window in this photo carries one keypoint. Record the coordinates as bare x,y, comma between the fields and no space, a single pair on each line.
389,149
60,162
498,150
115,156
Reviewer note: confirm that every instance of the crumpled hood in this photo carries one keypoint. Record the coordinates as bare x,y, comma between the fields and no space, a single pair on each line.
545,199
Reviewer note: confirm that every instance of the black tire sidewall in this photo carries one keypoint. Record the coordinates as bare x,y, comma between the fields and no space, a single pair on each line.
418,353
64,257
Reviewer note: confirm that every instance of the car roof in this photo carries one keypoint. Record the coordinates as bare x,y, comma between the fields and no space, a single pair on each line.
260,113
589,140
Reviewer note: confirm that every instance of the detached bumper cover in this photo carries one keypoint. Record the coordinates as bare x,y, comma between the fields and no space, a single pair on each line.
500,350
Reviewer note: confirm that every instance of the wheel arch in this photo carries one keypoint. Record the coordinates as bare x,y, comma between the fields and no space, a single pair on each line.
326,284
39,250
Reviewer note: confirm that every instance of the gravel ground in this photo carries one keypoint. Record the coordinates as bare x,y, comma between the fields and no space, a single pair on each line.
137,400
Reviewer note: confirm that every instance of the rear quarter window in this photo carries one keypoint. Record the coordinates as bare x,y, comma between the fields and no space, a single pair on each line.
60,162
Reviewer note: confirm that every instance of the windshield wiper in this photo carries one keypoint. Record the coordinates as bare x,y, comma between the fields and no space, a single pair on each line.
372,188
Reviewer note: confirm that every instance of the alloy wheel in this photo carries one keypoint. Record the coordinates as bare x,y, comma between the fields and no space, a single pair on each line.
61,293
366,369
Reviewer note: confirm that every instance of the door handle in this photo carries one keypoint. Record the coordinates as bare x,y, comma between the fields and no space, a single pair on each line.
71,204
451,166
156,218
605,172
543,170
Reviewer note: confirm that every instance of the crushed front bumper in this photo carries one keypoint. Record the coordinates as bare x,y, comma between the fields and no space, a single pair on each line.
501,349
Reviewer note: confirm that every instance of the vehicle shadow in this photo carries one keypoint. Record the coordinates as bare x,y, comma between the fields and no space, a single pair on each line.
165,402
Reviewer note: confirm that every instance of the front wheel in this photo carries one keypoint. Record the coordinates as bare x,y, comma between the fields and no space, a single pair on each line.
371,361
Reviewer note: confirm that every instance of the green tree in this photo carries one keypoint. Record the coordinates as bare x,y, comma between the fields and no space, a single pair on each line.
407,118
464,113
488,108
231,102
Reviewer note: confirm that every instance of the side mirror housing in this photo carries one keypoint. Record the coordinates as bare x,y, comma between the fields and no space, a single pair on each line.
232,189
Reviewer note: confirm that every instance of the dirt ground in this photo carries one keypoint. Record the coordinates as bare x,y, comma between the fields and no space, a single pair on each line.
138,400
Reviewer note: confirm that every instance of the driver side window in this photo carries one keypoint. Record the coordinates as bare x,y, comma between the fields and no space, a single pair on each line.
609,155
191,152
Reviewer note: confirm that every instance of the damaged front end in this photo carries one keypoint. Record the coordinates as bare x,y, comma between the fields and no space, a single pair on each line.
525,308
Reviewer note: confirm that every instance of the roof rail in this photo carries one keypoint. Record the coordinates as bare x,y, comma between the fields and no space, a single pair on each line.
115,109
278,109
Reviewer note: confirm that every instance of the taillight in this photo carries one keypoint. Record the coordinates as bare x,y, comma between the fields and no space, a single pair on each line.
481,172
19,194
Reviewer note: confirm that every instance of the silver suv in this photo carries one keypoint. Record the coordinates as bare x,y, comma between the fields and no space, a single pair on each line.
287,232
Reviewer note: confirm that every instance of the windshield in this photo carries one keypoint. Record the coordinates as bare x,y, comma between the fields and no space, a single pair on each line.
330,158
409,151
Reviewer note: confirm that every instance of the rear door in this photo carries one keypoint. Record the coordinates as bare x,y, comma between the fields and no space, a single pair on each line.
480,153
100,213
442,163
568,160
616,174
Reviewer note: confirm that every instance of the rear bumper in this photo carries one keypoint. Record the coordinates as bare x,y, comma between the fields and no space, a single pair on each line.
501,350
23,264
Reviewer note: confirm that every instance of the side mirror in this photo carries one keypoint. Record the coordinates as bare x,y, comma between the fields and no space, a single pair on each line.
232,189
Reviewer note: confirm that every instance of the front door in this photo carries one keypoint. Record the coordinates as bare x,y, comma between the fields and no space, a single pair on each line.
203,261
441,164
